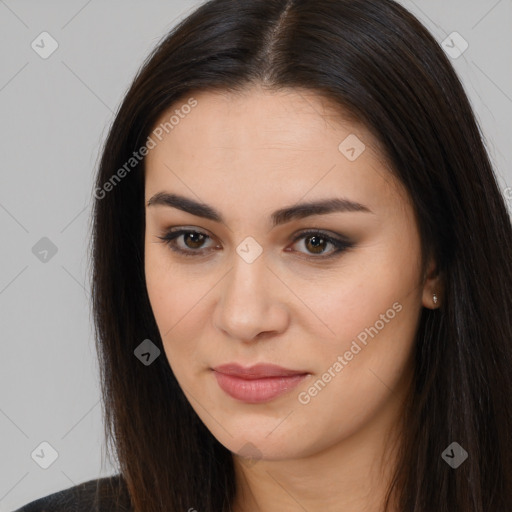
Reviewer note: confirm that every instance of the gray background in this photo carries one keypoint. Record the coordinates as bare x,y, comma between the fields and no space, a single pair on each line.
55,113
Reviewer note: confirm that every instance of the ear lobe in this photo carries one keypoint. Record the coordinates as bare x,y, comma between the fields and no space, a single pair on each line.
433,287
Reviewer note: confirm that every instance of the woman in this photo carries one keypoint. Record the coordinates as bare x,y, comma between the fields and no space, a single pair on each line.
301,272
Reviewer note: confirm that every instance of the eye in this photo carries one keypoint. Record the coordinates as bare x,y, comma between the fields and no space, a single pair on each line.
314,241
192,240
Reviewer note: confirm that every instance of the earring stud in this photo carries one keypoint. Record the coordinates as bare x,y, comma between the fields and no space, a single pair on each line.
434,298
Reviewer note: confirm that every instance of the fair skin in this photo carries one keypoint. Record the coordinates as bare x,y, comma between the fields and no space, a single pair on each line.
247,156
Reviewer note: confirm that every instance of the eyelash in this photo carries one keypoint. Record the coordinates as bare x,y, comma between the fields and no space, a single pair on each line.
340,245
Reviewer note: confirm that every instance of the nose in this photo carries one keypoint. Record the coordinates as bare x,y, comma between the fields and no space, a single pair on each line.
252,302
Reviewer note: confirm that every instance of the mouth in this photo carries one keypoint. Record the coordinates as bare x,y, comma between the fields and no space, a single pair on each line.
258,383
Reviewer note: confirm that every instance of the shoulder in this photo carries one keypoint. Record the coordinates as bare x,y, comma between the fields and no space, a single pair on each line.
107,494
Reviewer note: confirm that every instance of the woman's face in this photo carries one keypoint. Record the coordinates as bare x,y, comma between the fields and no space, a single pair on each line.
248,283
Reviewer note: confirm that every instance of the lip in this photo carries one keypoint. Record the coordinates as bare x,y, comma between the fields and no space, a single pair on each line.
257,371
259,383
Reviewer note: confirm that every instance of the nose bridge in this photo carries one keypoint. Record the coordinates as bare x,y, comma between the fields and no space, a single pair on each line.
245,282
249,267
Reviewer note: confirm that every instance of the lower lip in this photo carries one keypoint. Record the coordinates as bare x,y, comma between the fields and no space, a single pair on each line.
257,390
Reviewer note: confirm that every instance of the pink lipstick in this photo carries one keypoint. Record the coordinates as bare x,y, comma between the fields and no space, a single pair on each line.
258,383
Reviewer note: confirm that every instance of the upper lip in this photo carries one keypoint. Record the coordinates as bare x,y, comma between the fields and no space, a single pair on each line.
257,371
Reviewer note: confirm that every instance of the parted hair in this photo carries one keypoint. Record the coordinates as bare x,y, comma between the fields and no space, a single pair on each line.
382,67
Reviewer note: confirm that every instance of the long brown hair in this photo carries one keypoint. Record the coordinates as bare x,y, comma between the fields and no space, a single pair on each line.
379,64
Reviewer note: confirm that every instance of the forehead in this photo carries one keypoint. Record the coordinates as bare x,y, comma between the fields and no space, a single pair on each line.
264,141
259,118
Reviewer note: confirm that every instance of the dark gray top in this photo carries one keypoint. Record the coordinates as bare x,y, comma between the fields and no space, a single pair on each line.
100,495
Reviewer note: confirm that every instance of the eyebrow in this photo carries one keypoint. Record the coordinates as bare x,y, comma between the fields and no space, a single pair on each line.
281,216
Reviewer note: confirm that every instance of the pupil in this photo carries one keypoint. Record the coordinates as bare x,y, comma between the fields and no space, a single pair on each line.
192,235
317,244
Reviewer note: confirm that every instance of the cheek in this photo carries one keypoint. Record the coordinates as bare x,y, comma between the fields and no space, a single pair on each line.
379,277
162,289
170,291
373,310
157,278
364,365
367,361
175,295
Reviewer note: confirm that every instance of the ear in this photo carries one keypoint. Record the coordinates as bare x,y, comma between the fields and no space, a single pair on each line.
432,284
